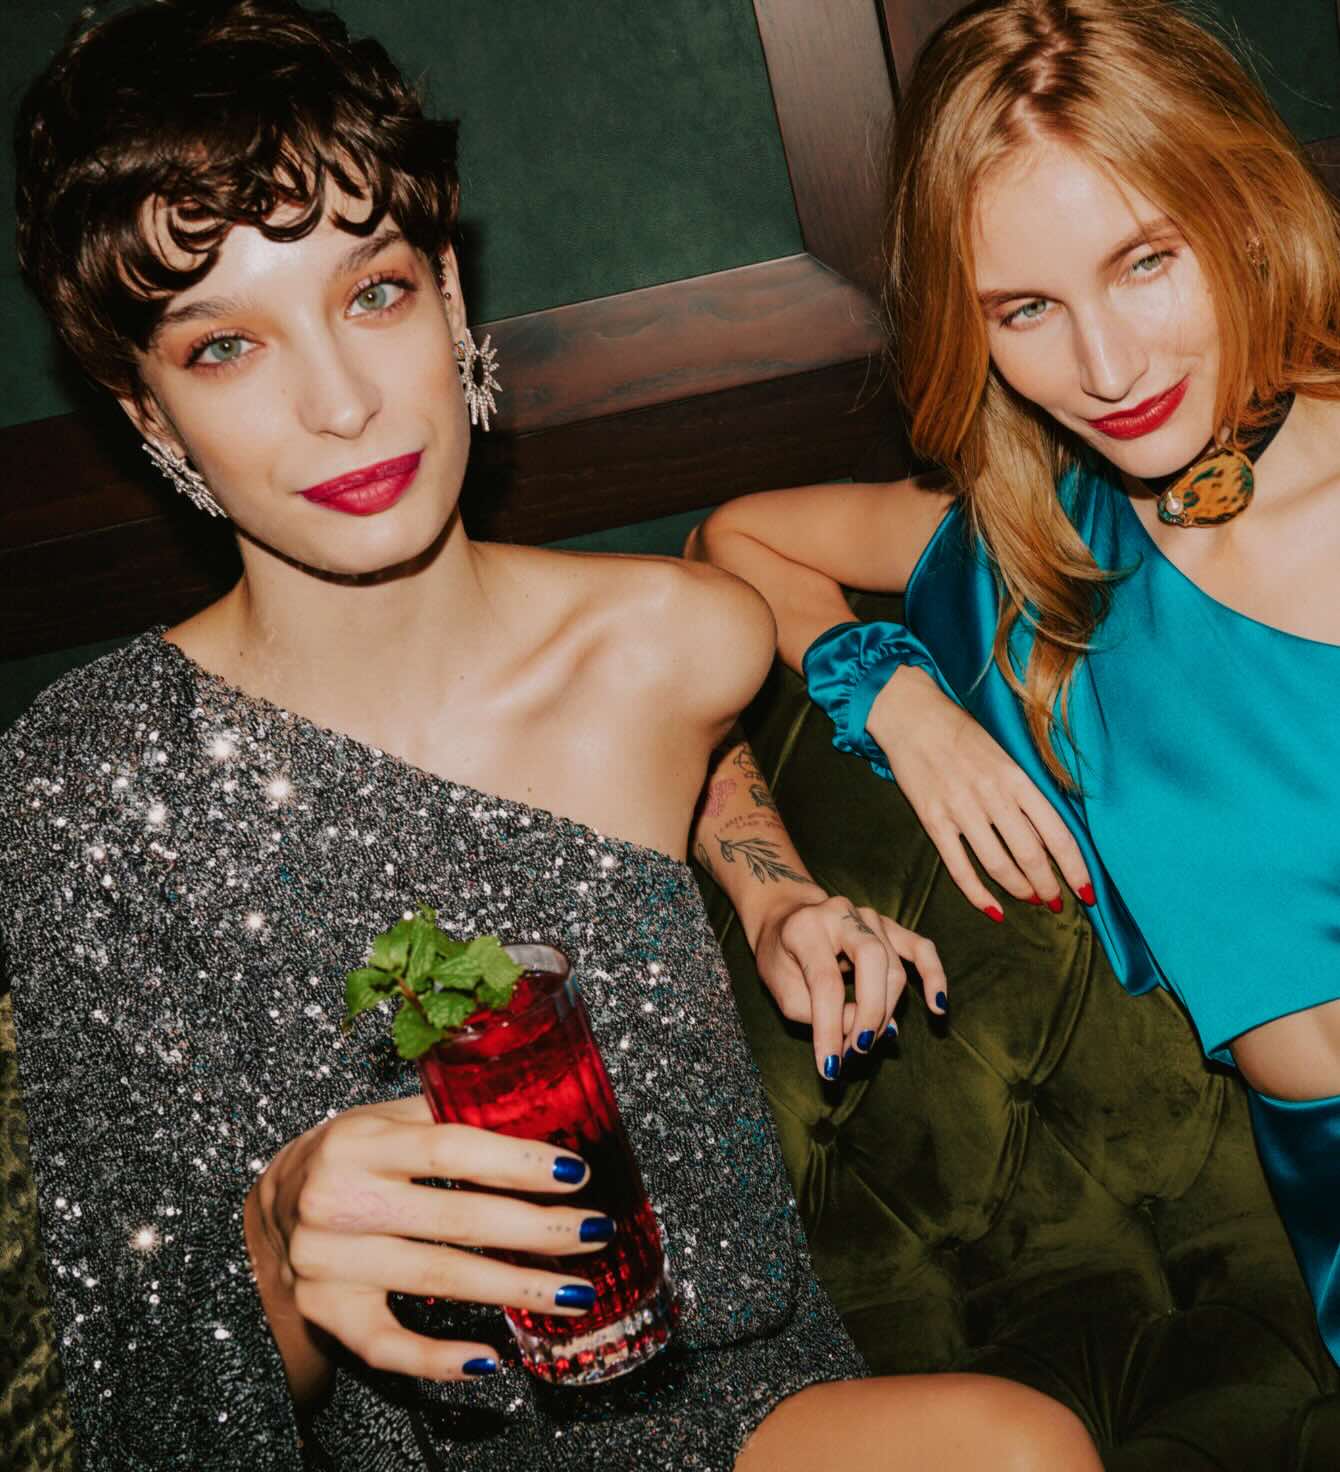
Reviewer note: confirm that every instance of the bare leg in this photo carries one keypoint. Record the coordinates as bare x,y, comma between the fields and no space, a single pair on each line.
907,1423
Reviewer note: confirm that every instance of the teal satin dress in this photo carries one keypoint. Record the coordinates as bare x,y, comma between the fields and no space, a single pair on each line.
1206,747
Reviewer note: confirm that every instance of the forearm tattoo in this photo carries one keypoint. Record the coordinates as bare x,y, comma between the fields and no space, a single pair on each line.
762,857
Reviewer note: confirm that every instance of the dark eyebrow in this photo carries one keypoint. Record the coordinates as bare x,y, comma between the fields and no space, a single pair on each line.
367,250
1145,234
210,308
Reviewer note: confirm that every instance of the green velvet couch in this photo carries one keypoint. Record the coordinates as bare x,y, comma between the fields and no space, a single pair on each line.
1053,1186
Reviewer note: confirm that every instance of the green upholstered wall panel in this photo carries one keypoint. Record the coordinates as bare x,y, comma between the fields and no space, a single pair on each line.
1294,48
606,145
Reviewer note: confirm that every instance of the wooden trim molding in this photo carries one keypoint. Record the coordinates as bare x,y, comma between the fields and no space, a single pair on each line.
697,336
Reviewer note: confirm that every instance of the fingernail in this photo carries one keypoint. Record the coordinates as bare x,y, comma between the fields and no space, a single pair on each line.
832,1067
866,1041
598,1229
1055,905
993,912
575,1295
569,1169
891,1031
1087,895
1033,899
480,1366
941,1002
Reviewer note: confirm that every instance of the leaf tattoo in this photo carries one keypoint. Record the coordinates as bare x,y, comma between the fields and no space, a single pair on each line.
761,856
762,797
705,860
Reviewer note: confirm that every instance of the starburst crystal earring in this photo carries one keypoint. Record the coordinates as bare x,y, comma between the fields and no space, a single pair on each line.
186,479
479,380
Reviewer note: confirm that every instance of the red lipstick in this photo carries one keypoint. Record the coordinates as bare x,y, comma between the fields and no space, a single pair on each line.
368,491
1144,418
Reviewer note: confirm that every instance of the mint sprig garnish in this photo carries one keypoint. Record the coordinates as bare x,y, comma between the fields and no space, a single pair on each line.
440,980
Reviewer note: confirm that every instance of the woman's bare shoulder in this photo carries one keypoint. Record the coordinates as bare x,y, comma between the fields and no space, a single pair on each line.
663,624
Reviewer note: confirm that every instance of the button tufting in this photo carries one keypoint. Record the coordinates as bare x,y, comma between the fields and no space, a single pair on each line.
1022,1091
824,1131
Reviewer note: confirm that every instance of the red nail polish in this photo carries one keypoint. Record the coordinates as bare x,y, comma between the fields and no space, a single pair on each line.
1055,905
1087,895
1033,900
993,912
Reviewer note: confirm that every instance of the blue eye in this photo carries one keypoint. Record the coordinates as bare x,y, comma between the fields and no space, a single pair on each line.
1029,312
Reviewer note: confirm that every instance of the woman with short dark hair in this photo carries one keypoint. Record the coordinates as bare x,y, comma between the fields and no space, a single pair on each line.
240,221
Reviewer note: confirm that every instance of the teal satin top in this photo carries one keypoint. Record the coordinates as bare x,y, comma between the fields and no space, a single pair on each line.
1207,756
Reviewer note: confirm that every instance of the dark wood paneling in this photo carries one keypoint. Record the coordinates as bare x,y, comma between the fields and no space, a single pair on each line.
908,24
831,88
685,338
120,551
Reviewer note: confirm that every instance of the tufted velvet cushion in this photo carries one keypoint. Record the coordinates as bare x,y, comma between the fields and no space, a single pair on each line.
1054,1186
35,1432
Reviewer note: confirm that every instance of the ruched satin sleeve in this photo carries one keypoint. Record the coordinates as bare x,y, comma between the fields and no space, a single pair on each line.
845,669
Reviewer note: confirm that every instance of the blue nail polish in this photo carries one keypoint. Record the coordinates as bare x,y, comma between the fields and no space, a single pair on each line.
575,1295
891,1031
568,1170
480,1367
597,1229
942,1002
832,1067
866,1041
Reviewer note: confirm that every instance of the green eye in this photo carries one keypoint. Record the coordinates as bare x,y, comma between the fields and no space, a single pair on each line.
375,298
222,350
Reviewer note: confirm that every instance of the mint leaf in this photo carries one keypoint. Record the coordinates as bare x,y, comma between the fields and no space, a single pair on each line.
449,980
423,935
449,1009
413,1033
447,946
363,989
495,966
390,949
459,973
497,997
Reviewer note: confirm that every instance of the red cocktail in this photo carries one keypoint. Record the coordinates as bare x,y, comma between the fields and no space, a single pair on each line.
533,1070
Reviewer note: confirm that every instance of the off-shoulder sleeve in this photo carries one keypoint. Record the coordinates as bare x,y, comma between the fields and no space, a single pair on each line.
845,669
168,1358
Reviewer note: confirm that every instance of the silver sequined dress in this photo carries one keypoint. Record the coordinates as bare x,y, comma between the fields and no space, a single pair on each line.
187,873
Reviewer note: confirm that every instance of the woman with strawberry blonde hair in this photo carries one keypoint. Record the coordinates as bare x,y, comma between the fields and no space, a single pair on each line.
1114,289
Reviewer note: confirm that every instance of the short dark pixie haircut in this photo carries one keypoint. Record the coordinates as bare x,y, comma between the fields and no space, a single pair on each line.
226,110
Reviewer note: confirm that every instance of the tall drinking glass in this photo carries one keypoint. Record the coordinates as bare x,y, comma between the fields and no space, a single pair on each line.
533,1070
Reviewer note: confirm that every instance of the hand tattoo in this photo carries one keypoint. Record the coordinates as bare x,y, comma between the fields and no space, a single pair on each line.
856,920
761,856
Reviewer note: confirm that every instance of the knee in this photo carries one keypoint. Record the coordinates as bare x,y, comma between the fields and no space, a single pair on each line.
1034,1433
